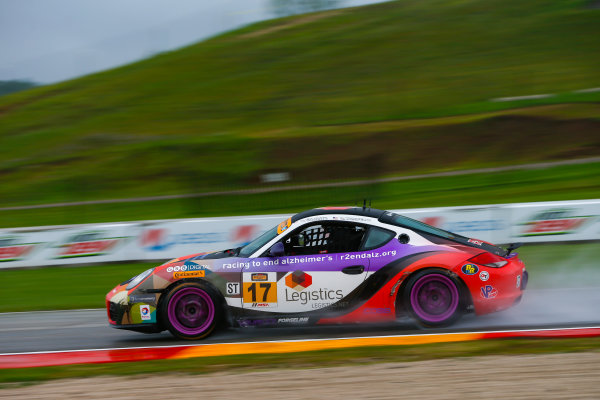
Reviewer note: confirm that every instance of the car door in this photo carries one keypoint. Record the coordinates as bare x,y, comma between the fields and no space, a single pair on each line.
322,264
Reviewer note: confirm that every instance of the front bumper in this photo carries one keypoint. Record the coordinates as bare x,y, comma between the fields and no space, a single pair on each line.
132,311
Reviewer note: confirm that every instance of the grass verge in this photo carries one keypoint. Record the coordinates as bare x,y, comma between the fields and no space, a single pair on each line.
313,359
569,182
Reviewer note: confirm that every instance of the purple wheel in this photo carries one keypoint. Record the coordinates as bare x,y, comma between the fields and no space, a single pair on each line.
433,298
189,311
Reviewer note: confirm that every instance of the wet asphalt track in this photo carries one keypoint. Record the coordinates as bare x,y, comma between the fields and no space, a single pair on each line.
88,329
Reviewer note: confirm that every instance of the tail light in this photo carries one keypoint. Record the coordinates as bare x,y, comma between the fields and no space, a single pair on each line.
489,260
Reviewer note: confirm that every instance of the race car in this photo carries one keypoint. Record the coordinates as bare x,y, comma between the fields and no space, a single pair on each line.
332,265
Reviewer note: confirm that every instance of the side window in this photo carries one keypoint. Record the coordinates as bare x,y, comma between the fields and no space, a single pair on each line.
377,237
325,237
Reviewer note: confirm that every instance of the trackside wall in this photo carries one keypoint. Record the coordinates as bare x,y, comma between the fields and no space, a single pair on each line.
164,239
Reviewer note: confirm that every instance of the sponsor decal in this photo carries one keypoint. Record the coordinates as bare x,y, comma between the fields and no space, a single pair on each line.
12,250
282,227
518,281
484,276
377,310
322,294
475,241
293,320
236,265
188,274
232,288
554,222
488,292
469,269
260,294
257,322
145,312
187,267
356,256
298,280
142,298
92,243
260,277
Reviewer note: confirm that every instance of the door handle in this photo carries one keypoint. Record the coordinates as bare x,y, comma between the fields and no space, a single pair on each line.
354,269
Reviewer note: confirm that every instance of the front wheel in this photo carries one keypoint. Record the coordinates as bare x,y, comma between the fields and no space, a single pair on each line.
190,311
433,298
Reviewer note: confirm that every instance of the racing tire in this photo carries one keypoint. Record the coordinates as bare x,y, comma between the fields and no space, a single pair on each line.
190,311
433,298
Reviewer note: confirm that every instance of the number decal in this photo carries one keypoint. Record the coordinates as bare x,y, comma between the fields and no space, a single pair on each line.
255,292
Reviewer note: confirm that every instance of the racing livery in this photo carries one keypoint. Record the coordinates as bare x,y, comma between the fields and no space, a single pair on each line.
324,266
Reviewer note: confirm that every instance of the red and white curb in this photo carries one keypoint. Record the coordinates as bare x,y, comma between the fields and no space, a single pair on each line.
46,359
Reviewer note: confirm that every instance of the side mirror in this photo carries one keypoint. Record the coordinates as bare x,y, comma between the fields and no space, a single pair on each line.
277,250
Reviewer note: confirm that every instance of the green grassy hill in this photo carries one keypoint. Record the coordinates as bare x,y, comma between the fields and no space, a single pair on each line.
393,88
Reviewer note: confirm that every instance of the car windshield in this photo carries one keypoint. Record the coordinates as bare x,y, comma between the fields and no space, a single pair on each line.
257,243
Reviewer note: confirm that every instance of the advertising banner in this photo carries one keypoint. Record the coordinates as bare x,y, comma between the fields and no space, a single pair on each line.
166,239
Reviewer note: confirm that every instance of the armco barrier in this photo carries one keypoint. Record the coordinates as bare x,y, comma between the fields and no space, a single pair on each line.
164,239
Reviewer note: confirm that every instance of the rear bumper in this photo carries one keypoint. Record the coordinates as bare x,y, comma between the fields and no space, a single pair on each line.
496,289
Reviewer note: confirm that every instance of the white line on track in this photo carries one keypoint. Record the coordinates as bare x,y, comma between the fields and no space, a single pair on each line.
51,311
48,328
305,340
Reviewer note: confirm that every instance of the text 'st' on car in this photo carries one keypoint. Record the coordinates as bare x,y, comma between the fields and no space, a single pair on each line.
324,266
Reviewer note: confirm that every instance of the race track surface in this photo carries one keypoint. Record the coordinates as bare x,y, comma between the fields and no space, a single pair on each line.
88,329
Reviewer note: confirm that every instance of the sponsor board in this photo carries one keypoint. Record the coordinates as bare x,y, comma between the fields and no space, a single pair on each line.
12,249
68,245
555,222
86,244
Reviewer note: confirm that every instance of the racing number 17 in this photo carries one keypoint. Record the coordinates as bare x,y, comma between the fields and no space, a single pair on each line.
259,292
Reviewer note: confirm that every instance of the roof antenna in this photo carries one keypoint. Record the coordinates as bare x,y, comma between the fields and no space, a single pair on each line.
364,204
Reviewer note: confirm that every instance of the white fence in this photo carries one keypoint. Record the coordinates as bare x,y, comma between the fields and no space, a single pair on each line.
164,239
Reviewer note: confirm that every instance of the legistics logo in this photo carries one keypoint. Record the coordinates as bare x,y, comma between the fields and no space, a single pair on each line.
298,280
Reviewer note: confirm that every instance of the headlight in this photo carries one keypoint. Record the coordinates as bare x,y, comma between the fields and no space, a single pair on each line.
136,280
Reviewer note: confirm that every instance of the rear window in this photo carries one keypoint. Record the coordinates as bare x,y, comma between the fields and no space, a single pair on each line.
410,223
377,237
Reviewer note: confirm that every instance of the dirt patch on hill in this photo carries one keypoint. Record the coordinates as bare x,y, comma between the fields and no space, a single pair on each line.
553,376
487,142
290,24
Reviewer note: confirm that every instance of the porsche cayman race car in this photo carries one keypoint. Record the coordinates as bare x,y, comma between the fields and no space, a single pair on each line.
331,265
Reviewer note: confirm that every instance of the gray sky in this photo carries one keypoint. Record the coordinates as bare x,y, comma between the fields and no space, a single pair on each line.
53,40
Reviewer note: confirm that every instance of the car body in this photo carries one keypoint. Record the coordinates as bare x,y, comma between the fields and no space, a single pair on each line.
324,266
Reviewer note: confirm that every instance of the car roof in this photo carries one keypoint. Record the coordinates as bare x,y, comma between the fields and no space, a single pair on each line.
363,212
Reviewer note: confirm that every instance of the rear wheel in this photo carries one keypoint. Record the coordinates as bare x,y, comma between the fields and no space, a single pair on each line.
433,298
190,311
